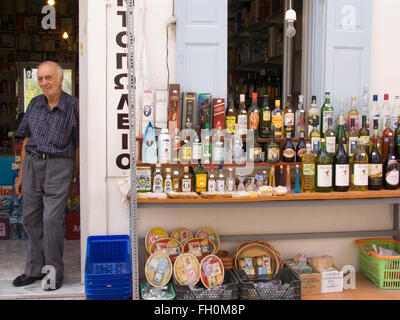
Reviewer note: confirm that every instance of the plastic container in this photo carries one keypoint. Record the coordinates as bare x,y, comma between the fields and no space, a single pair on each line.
384,271
254,288
170,290
229,290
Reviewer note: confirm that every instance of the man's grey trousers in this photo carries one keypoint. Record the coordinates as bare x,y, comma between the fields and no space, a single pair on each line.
45,187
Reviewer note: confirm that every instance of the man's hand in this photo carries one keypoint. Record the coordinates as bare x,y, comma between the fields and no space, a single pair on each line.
18,186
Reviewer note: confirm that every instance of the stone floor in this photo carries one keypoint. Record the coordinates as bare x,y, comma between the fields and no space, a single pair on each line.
12,263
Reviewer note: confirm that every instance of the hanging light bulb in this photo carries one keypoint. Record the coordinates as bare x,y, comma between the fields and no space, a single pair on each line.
51,2
290,18
65,35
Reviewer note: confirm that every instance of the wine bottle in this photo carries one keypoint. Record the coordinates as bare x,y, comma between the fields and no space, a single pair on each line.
326,113
330,138
341,169
324,170
391,170
363,134
254,117
359,169
301,147
308,171
353,138
375,170
289,115
387,134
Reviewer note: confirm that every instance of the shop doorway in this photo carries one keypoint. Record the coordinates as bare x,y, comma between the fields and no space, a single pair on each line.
30,33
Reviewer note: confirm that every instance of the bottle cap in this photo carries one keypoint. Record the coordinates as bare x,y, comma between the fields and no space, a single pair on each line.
242,98
220,166
375,97
255,96
278,103
386,96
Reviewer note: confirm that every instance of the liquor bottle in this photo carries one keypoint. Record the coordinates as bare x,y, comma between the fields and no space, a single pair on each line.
391,169
237,146
387,134
301,147
197,147
297,186
265,121
324,170
176,182
186,150
341,133
168,186
230,181
326,113
397,138
272,177
363,134
254,116
308,171
289,151
353,114
176,146
330,138
242,116
218,150
221,179
300,117
395,113
277,120
158,180
212,182
375,170
359,169
375,113
265,177
386,110
288,179
341,119
206,145
200,179
273,151
353,138
315,139
289,117
230,118
341,169
186,181
365,107
313,116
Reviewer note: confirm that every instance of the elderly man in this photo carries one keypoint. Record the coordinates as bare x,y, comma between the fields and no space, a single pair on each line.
49,172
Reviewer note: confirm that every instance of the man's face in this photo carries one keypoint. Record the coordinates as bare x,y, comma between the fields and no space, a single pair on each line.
48,80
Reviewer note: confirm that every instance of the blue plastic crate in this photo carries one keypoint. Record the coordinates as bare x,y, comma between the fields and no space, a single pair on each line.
106,285
113,296
109,291
108,257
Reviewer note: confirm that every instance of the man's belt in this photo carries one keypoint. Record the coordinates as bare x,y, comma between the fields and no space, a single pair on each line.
46,156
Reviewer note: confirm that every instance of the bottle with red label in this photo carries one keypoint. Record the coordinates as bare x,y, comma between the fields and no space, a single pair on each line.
254,116
391,169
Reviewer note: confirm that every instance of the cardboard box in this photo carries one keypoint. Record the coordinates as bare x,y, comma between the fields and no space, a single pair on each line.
310,283
6,199
331,281
321,262
72,225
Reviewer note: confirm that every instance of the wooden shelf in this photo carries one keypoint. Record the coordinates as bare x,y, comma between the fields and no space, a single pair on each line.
226,165
350,195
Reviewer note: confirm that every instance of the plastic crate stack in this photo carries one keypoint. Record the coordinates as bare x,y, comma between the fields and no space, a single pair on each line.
108,268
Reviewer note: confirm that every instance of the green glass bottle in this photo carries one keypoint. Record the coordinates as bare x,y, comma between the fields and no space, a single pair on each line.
330,138
324,170
326,113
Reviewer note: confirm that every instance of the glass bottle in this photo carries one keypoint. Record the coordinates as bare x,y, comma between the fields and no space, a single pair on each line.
237,147
330,138
186,181
297,186
353,114
242,116
391,169
289,117
168,185
200,179
365,107
186,150
301,117
176,146
212,182
363,134
251,187
272,177
230,118
359,169
308,171
241,187
353,138
288,179
326,113
218,149
254,116
289,153
376,134
386,110
277,120
265,121
206,144
158,180
395,113
281,184
230,181
341,169
324,170
375,170
387,134
197,146
315,139
175,182
397,138
341,127
273,151
313,116
221,179
375,113
301,147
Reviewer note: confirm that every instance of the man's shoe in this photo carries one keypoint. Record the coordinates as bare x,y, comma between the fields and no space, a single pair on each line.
24,280
58,286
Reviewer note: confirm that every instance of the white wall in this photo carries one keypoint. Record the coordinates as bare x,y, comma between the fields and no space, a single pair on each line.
102,212
385,62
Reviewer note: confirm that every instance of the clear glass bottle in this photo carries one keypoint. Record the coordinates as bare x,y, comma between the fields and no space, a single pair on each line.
197,147
218,148
395,112
241,187
212,182
359,169
301,117
289,117
308,171
230,181
221,179
251,187
242,116
168,183
375,114
330,138
186,181
237,146
176,146
313,116
324,170
254,116
176,181
386,110
158,180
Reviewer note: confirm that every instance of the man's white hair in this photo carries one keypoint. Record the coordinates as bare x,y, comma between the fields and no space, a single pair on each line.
60,71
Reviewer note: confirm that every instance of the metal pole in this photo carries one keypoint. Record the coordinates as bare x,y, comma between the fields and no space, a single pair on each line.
133,217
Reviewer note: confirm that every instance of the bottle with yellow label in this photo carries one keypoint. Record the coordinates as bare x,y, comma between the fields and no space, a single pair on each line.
200,178
230,118
277,120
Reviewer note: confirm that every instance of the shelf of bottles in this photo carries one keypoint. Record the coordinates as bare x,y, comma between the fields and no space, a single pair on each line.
284,148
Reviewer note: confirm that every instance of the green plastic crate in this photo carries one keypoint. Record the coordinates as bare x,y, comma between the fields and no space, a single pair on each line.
144,285
381,270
